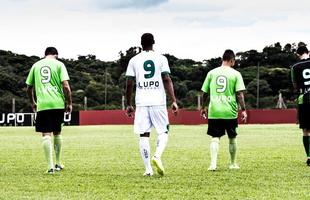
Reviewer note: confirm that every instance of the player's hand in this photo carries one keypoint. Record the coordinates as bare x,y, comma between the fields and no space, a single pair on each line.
175,108
34,107
69,108
129,111
244,116
203,113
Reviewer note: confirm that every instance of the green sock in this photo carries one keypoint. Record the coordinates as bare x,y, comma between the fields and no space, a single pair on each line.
47,147
232,150
57,147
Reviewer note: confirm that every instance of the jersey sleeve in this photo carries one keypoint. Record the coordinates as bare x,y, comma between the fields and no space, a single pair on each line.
30,77
206,84
239,83
63,73
165,69
130,72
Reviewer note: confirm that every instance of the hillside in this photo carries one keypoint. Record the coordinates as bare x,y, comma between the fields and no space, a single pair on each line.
103,82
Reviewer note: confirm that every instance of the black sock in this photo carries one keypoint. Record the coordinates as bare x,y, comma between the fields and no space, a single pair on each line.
306,144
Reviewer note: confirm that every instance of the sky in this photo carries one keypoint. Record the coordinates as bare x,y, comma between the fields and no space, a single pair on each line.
195,29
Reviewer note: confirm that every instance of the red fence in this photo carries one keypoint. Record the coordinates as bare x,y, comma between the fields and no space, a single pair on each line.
186,117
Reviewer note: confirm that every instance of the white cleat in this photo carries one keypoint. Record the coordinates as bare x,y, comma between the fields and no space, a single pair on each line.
233,166
159,165
148,173
212,168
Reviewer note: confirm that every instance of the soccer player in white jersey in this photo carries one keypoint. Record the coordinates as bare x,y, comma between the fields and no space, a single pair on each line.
150,71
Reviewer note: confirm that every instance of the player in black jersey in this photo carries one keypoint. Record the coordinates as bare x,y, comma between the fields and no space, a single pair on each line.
300,73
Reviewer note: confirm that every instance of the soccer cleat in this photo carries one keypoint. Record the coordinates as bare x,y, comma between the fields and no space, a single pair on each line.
159,165
59,167
146,173
212,168
233,166
308,162
50,171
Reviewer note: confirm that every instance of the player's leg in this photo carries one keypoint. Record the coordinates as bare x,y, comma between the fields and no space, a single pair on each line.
231,126
214,148
48,151
306,142
144,144
215,130
304,124
43,125
142,126
58,150
233,153
159,118
58,120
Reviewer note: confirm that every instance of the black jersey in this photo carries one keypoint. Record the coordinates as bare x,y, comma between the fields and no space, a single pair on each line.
301,76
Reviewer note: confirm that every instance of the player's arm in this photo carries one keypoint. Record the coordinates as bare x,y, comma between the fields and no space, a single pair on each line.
129,89
240,97
68,97
293,78
205,101
31,97
169,88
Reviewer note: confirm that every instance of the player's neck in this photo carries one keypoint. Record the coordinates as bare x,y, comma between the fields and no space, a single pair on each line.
50,56
148,49
226,64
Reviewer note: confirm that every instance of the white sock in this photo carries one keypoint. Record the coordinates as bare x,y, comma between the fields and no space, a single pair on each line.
145,152
214,147
162,140
48,151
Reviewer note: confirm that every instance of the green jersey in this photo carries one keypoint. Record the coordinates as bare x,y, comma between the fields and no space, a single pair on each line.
47,76
222,83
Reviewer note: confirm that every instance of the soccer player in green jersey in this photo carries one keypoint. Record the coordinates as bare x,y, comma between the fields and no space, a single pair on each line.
225,87
49,78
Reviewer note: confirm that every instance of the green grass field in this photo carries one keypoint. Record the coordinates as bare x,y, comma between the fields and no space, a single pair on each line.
103,162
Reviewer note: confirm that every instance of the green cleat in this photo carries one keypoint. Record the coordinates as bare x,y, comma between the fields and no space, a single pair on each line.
159,165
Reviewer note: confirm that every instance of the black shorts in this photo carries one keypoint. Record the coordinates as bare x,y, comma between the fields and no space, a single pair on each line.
49,120
304,116
217,127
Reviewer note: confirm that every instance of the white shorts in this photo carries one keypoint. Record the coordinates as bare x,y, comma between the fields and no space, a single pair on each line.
147,117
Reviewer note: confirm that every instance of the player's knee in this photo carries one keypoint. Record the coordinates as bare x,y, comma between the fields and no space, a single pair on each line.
215,139
56,133
46,134
232,140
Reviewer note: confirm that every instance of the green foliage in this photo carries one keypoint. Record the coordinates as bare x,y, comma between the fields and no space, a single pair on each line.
103,82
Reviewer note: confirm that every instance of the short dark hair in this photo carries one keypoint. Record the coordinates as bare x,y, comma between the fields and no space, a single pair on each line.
147,39
302,50
228,55
51,51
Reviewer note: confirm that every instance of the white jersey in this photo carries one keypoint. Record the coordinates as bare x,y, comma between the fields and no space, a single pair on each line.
147,67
